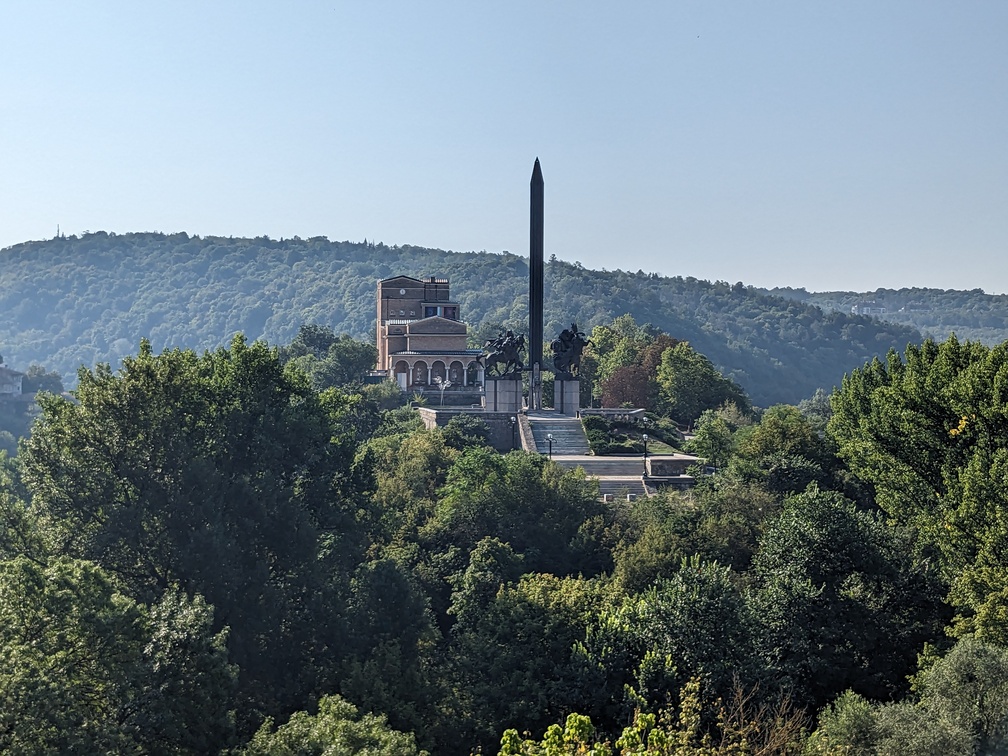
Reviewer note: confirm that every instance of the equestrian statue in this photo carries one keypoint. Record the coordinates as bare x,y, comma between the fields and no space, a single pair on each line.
503,355
567,349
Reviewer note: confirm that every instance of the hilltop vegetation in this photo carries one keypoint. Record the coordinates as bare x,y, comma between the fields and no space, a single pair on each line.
71,301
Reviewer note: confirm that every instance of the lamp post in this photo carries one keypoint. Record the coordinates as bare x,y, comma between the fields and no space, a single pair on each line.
549,438
514,424
442,384
645,454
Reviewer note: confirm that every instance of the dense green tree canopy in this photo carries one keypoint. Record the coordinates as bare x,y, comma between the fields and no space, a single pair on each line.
930,431
329,360
222,474
936,313
515,650
626,364
195,549
841,600
961,709
85,669
338,729
688,384
37,378
538,508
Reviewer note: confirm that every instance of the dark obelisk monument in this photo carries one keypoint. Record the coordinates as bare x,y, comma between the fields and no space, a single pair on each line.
535,347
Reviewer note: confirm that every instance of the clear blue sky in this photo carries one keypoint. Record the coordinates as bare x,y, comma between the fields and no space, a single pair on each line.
848,145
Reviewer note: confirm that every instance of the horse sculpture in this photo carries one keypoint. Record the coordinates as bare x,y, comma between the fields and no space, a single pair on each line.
504,351
567,349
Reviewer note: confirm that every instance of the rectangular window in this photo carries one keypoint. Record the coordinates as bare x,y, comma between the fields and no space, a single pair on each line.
430,312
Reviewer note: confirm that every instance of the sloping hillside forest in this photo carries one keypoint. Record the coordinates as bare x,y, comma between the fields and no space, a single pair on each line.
246,551
971,315
72,301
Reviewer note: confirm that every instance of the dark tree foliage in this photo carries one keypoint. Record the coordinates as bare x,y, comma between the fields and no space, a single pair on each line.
783,451
521,499
463,431
841,600
960,709
222,474
630,386
515,652
693,624
17,413
37,378
329,360
84,669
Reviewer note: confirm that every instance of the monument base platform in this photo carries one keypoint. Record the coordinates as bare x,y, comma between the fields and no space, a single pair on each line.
502,395
567,397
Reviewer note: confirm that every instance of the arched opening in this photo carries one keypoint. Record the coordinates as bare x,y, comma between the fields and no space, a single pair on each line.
474,373
438,373
421,374
401,373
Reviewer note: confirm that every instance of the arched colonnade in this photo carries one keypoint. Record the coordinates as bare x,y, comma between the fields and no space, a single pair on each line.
419,372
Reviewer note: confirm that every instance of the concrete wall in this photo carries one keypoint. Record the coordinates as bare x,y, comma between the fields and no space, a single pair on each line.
436,342
499,423
669,465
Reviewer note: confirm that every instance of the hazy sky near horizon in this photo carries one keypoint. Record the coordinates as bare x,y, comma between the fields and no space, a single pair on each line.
829,146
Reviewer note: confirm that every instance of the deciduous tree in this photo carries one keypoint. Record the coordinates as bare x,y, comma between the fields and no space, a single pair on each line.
841,600
85,669
689,383
337,728
222,474
929,431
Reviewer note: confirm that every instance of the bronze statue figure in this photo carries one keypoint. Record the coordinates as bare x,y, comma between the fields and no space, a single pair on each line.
503,355
567,348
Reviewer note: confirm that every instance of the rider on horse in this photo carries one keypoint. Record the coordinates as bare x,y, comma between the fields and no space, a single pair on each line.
567,350
505,350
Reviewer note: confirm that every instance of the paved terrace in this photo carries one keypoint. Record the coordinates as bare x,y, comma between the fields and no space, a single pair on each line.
618,476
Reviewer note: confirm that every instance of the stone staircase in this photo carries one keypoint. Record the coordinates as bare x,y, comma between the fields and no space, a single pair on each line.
568,433
621,488
617,476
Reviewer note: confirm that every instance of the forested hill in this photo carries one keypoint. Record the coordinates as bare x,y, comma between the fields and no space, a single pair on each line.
971,315
71,301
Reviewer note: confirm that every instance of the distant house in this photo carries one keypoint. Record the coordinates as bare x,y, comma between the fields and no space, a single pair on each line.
10,382
868,308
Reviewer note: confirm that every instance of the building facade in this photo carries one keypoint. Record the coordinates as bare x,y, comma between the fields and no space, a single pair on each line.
420,337
10,382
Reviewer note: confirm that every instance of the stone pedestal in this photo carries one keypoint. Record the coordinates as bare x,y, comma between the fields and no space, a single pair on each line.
567,397
503,395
